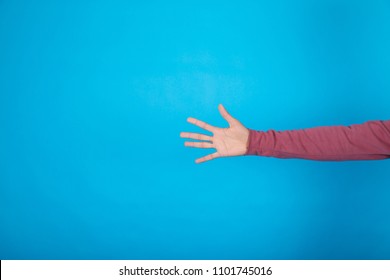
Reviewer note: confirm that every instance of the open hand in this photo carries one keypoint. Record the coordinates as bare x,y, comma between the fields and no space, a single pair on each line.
231,141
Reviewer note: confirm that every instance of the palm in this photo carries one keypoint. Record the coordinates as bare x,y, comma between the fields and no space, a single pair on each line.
228,141
231,141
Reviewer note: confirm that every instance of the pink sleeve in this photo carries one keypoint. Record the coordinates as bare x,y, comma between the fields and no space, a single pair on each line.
370,140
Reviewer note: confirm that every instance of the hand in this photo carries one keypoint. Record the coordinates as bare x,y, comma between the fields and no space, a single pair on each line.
231,141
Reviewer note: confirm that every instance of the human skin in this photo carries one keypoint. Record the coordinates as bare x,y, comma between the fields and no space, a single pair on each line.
230,141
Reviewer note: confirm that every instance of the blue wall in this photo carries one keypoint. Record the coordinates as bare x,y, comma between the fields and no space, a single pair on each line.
94,94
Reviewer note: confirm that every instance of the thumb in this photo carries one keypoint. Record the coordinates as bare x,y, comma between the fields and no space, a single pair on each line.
226,115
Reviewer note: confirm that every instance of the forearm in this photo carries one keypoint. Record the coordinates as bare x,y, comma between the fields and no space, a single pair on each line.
370,140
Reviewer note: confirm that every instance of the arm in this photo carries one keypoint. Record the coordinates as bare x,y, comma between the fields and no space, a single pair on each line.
370,140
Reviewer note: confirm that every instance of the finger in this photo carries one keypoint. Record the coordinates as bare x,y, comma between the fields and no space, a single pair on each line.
226,115
208,157
201,124
204,145
196,136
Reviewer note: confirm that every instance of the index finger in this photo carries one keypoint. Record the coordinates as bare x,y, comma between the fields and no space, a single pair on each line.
201,124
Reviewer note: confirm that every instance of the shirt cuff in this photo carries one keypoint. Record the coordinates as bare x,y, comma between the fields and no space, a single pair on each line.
254,142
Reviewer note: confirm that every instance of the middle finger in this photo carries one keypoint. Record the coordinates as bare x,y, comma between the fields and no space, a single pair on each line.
195,136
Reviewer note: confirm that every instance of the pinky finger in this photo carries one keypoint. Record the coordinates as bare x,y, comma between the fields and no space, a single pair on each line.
208,157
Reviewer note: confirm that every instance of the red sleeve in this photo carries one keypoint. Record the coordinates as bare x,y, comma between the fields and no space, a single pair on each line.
370,140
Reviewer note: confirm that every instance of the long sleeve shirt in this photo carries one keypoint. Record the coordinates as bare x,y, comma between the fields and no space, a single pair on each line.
367,141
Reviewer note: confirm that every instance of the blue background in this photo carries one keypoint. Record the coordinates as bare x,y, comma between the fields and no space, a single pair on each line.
94,94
